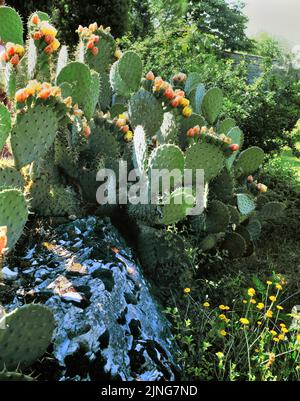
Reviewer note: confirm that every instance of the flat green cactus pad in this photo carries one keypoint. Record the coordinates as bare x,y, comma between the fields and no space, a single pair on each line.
10,176
196,98
234,215
178,204
126,74
168,157
245,204
235,245
11,27
212,104
237,137
106,50
85,85
5,124
225,126
217,218
254,229
223,186
249,161
33,134
209,242
207,157
271,211
26,336
143,106
193,80
13,214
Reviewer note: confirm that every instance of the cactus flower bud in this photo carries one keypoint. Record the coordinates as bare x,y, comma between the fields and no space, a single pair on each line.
190,133
250,178
86,131
234,147
37,35
21,96
184,102
3,239
15,60
128,136
68,101
118,54
169,93
35,19
95,51
150,76
175,102
125,128
187,112
121,122
48,39
48,49
45,93
11,50
262,188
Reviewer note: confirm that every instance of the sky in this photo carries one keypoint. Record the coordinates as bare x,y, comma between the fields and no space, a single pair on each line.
279,18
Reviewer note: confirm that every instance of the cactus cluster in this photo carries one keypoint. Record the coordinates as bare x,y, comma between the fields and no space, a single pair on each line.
67,119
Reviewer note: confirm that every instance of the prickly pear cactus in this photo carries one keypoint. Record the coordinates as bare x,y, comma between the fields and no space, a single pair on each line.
36,324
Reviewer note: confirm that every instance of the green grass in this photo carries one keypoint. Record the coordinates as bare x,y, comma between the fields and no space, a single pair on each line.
288,160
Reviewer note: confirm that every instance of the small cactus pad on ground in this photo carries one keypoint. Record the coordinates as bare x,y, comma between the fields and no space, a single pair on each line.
27,334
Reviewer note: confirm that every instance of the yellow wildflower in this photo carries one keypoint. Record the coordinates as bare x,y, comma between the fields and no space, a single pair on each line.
223,333
269,314
269,282
281,337
273,332
259,323
220,355
253,301
276,339
298,338
279,287
279,307
224,307
282,325
206,304
222,316
284,330
244,320
244,301
260,305
251,292
187,290
272,298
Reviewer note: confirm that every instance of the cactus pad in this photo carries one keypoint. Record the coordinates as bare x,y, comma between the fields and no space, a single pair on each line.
237,137
193,80
245,204
168,157
13,214
5,125
201,155
11,27
212,104
249,161
9,175
225,126
173,212
196,98
271,211
33,134
105,56
254,229
235,245
143,106
217,218
234,215
26,337
126,74
223,186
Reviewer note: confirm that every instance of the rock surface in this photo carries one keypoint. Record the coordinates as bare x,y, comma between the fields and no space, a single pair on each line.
108,325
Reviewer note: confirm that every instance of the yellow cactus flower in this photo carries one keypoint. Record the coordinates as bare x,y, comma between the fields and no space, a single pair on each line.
184,102
251,292
55,44
47,29
269,314
128,136
260,305
244,321
19,50
206,304
187,111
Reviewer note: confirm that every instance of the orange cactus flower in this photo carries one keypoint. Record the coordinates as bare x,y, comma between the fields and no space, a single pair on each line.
90,44
125,128
176,101
86,131
48,39
45,93
21,96
15,59
35,19
48,49
37,35
95,51
11,50
3,239
169,93
150,76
